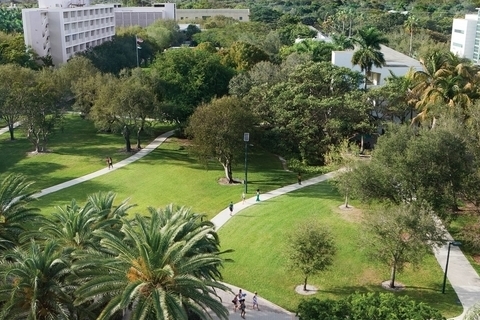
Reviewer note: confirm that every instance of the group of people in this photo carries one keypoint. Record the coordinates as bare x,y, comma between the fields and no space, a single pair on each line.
230,206
239,302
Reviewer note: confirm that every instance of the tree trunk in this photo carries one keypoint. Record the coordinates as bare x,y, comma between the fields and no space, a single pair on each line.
411,40
126,136
346,199
361,144
434,122
138,138
10,129
227,166
305,284
392,278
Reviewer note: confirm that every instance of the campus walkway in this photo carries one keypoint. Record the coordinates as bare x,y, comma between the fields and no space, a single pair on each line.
461,274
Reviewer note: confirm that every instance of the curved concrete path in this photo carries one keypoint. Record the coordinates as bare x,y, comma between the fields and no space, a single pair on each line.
461,275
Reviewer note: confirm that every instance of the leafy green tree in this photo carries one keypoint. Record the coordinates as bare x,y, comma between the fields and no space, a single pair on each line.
320,51
16,216
369,52
406,234
167,265
165,34
442,162
33,284
124,104
14,97
185,78
13,50
306,112
217,131
11,20
342,41
242,56
45,108
264,14
310,249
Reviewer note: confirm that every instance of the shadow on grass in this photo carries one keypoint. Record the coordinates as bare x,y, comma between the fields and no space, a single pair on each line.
323,190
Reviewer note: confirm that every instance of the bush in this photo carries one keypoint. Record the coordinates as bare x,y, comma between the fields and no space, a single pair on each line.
296,165
372,306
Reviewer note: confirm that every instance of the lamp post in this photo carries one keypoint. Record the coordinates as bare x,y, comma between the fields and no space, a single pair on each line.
246,138
451,243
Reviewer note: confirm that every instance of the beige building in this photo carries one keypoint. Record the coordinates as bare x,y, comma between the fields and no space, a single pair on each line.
196,14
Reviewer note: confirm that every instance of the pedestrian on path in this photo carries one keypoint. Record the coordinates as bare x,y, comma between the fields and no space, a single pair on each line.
299,178
235,303
242,308
258,195
243,197
230,207
109,163
255,301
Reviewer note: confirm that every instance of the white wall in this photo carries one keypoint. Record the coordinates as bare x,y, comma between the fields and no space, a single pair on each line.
463,36
202,14
36,32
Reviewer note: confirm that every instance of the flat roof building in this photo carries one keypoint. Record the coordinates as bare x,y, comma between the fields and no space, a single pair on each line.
464,40
63,28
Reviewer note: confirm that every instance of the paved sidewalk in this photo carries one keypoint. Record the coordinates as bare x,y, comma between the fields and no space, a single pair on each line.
461,274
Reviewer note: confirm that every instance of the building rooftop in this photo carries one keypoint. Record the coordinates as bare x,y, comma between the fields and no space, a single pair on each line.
397,59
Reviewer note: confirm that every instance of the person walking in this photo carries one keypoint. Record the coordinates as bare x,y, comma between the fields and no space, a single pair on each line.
258,195
243,197
235,303
230,207
299,178
255,301
242,308
110,163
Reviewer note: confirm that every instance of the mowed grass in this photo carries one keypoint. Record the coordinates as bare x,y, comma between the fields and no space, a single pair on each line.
170,174
257,234
76,151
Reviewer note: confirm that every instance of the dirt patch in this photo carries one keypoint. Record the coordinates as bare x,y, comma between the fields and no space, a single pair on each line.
398,286
476,258
310,290
351,214
224,182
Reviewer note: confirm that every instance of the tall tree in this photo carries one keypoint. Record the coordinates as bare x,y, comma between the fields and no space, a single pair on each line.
405,234
167,265
410,25
369,52
15,94
310,249
217,130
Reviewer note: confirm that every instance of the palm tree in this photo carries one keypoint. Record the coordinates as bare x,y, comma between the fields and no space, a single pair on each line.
368,54
15,215
342,41
33,284
166,266
410,24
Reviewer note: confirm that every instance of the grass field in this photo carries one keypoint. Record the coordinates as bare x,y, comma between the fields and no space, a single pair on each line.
257,236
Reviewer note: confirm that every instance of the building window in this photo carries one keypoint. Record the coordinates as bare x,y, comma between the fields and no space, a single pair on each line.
91,22
80,24
74,26
97,22
79,14
65,15
80,36
87,34
69,50
96,11
82,46
85,13
75,48
72,14
459,31
456,44
103,20
91,12
102,11
66,27
240,18
98,32
67,38
74,37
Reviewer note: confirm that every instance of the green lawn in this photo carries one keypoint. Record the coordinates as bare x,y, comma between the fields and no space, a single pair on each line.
170,174
76,151
455,228
257,236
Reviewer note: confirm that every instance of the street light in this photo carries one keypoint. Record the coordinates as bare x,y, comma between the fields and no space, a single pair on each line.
246,138
451,243
138,41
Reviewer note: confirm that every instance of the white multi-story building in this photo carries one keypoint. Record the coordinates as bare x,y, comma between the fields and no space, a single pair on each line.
465,41
62,28
202,14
